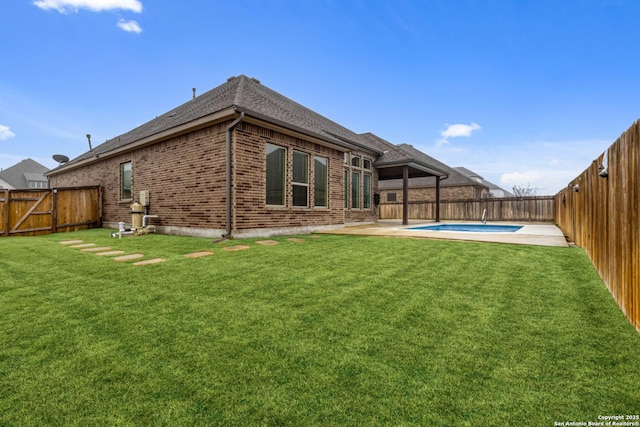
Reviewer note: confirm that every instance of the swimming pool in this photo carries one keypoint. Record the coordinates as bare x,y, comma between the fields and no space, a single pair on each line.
474,228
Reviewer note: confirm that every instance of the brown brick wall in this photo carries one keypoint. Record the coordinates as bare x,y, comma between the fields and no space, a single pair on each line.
428,194
185,176
182,174
251,211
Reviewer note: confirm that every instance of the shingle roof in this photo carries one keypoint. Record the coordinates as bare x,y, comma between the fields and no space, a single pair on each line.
19,175
394,155
248,95
243,94
454,178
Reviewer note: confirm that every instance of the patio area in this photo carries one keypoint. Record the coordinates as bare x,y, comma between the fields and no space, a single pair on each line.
540,234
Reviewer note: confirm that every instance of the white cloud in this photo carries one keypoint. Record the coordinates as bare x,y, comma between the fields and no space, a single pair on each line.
129,26
5,133
456,131
67,6
546,165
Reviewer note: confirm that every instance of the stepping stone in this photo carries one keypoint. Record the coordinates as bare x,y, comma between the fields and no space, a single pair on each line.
267,242
71,242
128,257
314,237
236,248
199,254
149,261
295,240
110,253
103,249
84,245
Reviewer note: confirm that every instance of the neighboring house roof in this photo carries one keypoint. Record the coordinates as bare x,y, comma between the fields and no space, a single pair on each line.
492,187
454,178
236,95
19,175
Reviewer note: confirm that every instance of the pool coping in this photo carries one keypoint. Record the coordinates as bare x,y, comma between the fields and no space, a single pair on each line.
538,234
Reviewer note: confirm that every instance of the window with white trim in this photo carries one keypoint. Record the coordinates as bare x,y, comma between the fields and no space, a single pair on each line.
125,181
355,190
366,191
300,179
275,177
320,182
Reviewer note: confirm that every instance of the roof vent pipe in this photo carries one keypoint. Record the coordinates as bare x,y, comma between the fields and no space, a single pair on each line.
89,139
193,89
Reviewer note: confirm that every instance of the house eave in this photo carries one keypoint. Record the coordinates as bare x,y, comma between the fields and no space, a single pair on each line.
422,170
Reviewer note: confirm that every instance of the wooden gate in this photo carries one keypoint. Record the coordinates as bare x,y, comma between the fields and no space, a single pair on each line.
45,211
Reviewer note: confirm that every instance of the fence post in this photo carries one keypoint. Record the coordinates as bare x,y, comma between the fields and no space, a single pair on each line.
5,208
54,210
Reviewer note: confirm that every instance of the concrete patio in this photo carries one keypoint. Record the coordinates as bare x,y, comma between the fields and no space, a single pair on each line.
540,234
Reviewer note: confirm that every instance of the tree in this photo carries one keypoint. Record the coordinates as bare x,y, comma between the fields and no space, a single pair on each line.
525,190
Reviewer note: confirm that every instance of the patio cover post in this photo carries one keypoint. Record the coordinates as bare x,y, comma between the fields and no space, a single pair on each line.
437,198
405,195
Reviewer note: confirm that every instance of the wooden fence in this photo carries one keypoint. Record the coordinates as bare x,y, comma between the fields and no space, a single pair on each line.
539,208
44,211
601,215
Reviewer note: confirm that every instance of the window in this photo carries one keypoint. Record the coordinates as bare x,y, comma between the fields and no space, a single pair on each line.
355,190
275,175
366,191
355,161
320,182
125,181
300,179
346,188
366,164
391,197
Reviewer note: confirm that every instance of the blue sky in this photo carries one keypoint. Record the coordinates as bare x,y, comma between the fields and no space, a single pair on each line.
525,92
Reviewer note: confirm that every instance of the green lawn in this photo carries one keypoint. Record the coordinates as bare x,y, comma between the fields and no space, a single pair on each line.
333,331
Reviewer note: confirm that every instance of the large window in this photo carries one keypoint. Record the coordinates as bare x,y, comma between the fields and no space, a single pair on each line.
355,190
320,183
125,181
275,175
366,191
300,179
346,188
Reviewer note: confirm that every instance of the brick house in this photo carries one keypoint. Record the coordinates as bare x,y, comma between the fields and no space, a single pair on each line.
241,160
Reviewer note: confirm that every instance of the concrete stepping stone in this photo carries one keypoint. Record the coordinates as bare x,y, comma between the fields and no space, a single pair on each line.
236,248
128,257
99,249
109,253
296,240
199,254
267,242
83,245
71,242
149,261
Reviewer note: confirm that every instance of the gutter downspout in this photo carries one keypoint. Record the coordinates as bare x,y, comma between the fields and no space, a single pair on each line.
233,124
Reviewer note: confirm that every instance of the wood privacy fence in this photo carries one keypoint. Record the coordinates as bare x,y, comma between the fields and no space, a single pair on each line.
601,215
539,208
44,211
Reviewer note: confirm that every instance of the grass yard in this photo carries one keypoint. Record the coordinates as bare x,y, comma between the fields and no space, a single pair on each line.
331,331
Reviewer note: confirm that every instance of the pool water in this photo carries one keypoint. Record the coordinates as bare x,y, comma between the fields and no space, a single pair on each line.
475,228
